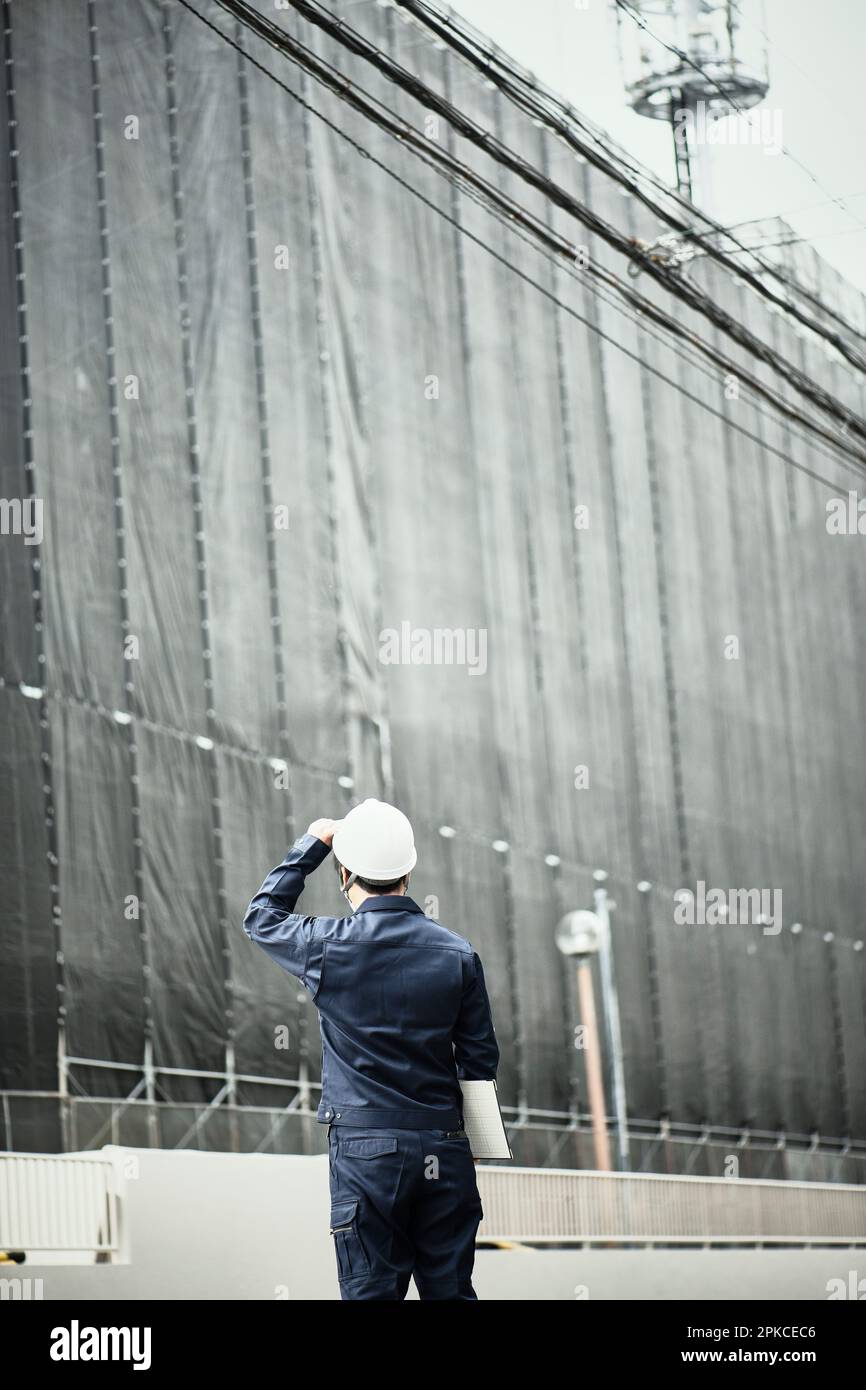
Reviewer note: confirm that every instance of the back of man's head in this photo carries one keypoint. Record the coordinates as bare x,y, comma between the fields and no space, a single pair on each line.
375,846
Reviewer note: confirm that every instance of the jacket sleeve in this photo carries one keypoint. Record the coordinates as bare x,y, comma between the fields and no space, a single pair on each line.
270,921
476,1050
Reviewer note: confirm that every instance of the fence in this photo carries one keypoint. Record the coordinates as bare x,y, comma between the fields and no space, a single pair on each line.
69,1205
58,1204
564,1208
547,1139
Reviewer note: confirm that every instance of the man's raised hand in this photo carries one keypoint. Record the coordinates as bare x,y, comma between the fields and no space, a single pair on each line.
323,830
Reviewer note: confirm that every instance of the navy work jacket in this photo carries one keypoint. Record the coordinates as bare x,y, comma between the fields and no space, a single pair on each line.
403,1007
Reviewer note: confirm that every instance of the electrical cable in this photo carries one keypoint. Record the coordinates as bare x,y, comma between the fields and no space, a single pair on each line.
567,308
795,212
525,95
658,332
689,293
361,100
661,333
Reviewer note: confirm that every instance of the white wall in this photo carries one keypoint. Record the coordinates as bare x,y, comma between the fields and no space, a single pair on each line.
255,1226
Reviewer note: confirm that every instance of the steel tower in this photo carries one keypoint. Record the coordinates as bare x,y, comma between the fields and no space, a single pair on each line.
690,63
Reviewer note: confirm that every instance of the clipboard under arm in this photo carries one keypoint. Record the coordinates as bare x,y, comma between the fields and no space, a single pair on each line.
482,1120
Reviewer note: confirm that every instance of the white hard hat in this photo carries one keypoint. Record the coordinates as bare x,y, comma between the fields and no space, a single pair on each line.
375,841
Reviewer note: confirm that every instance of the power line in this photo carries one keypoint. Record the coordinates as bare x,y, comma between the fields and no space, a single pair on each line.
361,100
567,308
526,94
484,61
659,332
689,293
807,240
787,277
795,212
686,346
422,149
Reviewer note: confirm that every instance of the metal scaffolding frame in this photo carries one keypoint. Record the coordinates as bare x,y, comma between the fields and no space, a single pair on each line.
551,1138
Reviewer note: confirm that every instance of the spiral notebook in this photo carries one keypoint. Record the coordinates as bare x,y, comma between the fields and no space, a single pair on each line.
482,1120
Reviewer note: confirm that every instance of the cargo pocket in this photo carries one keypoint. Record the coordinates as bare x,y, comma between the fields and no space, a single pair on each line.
351,1255
367,1147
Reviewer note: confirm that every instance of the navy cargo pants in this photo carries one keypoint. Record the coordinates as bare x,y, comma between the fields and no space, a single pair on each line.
404,1203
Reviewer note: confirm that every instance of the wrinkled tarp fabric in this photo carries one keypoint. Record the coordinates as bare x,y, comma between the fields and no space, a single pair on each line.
334,415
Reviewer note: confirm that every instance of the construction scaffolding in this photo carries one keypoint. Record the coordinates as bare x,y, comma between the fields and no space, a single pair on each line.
287,378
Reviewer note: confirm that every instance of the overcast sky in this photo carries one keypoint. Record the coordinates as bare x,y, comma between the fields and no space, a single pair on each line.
817,57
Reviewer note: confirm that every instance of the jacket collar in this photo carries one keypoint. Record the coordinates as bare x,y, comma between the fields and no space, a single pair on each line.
389,902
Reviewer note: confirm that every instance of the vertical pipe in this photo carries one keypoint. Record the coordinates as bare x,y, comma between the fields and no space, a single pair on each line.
595,1080
150,1092
614,1034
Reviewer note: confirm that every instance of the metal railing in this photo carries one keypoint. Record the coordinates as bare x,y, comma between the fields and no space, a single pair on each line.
564,1207
65,1204
146,1117
68,1204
